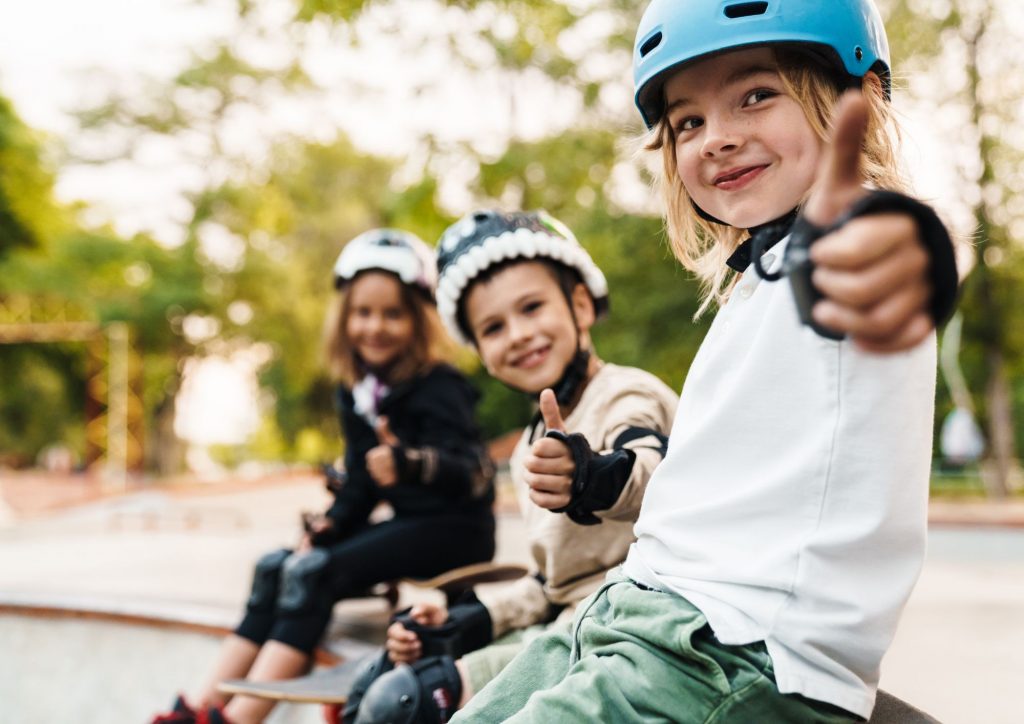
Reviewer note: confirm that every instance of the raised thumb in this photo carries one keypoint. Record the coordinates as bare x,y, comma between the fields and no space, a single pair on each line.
550,412
384,434
840,179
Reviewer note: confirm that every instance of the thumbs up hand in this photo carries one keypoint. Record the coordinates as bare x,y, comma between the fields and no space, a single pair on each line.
873,271
380,461
550,466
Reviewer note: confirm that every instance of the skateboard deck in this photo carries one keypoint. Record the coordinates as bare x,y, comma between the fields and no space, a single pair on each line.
464,578
323,686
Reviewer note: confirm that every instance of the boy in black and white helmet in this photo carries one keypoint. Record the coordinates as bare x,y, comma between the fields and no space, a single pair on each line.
524,293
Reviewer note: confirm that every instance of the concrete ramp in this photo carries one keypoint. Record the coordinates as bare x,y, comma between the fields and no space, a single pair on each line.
86,662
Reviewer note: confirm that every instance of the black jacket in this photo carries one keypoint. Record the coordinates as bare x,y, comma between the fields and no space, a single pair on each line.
442,462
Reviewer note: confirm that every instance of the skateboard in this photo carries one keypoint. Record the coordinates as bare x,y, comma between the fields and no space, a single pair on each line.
890,710
323,686
457,581
330,686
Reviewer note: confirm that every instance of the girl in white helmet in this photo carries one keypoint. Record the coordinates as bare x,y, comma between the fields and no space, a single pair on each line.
411,440
781,536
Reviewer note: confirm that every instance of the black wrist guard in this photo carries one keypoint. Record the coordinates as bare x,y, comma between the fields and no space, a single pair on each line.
597,481
468,628
798,266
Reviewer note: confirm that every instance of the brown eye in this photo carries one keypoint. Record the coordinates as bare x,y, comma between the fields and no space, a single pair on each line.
758,96
688,123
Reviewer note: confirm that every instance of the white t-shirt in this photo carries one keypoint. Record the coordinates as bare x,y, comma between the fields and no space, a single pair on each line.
792,504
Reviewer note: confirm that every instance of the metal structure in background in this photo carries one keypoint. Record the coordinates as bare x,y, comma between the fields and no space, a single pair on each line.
114,413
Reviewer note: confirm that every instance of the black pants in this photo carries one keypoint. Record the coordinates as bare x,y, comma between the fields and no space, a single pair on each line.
417,547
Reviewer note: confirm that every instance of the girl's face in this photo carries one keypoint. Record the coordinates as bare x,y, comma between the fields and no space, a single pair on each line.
523,326
744,150
379,325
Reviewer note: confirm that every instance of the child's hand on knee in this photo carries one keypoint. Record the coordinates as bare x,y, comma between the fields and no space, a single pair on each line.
873,271
404,646
550,465
315,526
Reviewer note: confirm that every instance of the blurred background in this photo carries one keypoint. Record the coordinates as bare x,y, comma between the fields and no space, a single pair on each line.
178,176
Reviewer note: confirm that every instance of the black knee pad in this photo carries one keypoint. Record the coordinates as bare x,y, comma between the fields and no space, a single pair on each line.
266,578
300,580
426,692
370,673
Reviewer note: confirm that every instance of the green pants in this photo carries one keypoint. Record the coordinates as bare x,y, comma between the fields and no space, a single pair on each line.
484,665
637,655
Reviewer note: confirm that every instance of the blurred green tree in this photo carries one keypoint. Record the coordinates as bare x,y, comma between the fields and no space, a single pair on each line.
959,50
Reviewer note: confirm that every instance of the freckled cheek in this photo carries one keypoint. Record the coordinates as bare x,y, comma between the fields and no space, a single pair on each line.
687,169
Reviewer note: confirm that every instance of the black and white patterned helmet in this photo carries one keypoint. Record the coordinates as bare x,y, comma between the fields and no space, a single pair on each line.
483,239
391,250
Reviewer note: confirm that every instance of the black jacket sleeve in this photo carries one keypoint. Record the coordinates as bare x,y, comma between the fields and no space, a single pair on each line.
356,499
442,446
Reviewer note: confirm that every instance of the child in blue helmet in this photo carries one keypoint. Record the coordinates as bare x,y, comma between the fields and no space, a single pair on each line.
411,440
781,537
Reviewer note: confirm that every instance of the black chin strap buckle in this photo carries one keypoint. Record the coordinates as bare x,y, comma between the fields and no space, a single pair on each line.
573,378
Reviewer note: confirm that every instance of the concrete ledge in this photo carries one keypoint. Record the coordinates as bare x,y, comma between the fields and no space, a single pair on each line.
1004,514
197,618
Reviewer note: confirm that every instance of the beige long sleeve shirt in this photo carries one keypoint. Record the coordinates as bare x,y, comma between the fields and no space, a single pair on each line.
573,559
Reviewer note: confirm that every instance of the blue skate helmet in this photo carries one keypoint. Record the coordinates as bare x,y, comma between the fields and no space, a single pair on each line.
847,35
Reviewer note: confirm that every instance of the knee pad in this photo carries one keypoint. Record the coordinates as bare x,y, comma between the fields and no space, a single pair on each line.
300,578
376,668
426,692
265,580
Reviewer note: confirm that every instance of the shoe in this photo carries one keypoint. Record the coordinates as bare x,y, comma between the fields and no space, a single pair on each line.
212,715
180,713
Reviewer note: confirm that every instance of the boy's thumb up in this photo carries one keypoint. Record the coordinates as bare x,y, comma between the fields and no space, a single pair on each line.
840,180
550,412
384,434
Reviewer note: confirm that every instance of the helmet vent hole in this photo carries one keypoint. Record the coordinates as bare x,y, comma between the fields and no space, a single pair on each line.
650,44
858,52
745,10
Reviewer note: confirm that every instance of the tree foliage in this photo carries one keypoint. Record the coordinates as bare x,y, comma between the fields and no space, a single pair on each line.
26,182
959,50
267,217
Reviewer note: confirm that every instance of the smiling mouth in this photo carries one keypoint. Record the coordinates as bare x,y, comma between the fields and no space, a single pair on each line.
738,177
531,359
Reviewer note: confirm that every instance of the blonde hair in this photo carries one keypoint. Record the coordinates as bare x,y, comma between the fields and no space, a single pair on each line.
430,346
703,247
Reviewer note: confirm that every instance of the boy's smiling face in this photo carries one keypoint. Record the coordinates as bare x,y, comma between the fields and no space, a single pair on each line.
745,151
523,326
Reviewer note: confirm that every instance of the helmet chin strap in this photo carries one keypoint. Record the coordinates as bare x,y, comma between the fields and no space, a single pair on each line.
573,378
761,238
567,387
785,220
